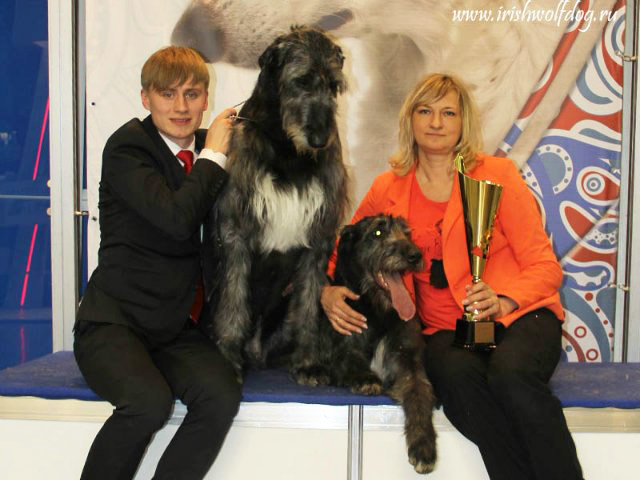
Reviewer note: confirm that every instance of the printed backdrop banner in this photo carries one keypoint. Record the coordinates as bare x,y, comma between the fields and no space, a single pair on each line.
544,74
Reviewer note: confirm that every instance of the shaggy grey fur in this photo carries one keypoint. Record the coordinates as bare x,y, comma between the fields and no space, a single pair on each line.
286,197
387,356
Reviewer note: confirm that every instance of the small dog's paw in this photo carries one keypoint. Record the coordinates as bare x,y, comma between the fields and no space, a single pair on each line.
362,381
312,376
368,386
422,455
368,389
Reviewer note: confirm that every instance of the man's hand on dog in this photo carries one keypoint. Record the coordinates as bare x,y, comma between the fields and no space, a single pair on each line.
220,131
343,318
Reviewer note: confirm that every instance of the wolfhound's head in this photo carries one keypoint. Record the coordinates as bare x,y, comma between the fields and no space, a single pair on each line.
302,71
374,254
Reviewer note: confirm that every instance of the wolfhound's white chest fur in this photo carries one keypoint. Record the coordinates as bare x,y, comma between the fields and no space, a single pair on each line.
285,214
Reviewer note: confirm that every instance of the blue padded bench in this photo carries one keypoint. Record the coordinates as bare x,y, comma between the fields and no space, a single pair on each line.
593,385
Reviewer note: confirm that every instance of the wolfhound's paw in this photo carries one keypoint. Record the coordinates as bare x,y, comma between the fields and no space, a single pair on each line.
366,385
422,456
238,373
312,376
234,358
368,389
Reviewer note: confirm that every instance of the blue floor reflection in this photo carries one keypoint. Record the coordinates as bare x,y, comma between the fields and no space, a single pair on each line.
24,335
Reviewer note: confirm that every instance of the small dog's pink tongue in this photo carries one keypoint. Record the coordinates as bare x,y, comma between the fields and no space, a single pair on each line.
400,297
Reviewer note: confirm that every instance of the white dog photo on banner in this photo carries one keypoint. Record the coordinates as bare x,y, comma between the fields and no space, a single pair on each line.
393,45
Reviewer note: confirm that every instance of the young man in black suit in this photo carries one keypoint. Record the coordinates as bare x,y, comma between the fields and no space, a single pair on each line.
135,341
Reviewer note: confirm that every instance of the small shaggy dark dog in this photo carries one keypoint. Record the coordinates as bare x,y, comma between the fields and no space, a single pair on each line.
284,202
387,357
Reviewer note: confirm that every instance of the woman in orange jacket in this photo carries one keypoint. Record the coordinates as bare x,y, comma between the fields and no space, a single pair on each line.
500,399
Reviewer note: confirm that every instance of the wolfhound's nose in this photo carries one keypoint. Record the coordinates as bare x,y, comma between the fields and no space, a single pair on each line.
317,140
414,256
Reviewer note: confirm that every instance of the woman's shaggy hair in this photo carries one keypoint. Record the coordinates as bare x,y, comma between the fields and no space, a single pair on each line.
429,90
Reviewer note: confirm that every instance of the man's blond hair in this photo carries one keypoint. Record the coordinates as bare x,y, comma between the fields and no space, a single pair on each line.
173,65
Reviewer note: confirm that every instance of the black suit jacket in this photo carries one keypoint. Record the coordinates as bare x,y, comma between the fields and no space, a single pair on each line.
150,218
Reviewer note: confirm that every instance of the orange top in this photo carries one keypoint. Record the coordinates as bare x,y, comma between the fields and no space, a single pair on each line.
436,307
521,263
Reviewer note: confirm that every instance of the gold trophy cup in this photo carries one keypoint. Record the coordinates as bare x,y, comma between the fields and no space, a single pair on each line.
480,200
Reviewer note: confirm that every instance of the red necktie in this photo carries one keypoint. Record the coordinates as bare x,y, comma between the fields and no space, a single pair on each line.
196,307
187,158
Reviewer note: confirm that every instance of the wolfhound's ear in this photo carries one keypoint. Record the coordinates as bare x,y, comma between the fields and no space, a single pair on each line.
348,236
267,57
275,55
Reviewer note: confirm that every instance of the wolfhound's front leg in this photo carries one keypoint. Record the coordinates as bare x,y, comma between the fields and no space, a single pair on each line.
411,388
302,318
351,368
415,394
232,318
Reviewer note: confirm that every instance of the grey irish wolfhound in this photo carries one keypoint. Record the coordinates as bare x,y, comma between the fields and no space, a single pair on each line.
373,255
285,200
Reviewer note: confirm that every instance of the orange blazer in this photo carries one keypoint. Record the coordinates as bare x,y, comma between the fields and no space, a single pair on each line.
521,263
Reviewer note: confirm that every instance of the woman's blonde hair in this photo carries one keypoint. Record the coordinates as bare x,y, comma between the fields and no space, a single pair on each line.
429,90
171,65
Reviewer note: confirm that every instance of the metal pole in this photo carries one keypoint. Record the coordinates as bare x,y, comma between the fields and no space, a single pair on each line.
627,324
62,128
354,455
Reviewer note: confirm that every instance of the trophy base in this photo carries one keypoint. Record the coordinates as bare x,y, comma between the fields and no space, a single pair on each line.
478,335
